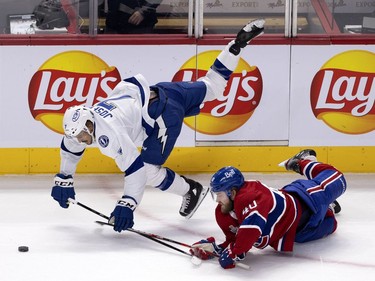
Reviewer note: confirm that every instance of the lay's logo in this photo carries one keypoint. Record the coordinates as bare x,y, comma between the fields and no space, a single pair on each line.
343,92
241,96
67,79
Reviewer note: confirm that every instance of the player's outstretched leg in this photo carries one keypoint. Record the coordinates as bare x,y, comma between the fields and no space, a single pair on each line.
193,198
292,164
226,62
251,30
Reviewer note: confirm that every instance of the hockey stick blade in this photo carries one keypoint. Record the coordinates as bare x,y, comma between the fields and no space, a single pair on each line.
130,229
146,235
150,235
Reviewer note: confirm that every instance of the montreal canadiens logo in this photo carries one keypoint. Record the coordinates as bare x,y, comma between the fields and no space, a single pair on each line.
67,79
240,98
103,141
343,92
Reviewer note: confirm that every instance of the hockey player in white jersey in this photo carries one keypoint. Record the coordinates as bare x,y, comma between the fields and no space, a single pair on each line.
134,113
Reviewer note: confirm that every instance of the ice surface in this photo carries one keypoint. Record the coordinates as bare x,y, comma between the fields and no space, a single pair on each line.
66,244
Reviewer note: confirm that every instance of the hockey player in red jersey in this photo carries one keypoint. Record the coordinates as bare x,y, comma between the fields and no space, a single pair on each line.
252,214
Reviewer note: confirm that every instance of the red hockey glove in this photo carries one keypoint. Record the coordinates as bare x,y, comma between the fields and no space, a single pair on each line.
206,249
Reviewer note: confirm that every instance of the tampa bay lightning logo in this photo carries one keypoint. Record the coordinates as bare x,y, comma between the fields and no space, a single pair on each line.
103,141
75,116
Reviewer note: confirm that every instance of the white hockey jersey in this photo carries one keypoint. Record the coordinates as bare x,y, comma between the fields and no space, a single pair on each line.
118,132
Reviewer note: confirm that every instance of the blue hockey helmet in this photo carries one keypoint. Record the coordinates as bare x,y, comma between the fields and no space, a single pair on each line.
225,179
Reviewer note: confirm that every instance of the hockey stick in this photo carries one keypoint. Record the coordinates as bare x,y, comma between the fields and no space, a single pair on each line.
149,234
130,229
194,259
163,243
75,202
169,240
154,237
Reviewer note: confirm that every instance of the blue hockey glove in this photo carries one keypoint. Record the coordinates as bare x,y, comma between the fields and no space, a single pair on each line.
122,216
63,189
206,249
228,259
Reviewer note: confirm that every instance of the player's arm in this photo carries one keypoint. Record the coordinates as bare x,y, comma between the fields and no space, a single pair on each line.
236,251
228,223
252,212
248,233
208,248
129,161
70,153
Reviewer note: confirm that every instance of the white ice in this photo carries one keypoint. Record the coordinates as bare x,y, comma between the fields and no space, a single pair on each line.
67,244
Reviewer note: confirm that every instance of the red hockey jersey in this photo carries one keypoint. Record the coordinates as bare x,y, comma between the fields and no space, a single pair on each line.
262,216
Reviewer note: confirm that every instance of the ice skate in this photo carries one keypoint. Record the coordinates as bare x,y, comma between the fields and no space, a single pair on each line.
292,164
335,207
251,30
193,198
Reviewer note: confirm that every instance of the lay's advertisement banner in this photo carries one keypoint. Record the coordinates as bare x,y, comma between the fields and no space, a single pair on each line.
333,96
66,79
278,95
255,106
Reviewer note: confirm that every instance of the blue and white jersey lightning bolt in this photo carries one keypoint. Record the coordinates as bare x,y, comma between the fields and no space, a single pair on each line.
126,120
118,133
162,134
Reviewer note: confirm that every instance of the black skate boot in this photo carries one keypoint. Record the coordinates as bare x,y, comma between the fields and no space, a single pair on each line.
251,30
335,207
292,164
193,198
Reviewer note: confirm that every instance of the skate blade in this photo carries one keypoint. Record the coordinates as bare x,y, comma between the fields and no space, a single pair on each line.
201,198
282,164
